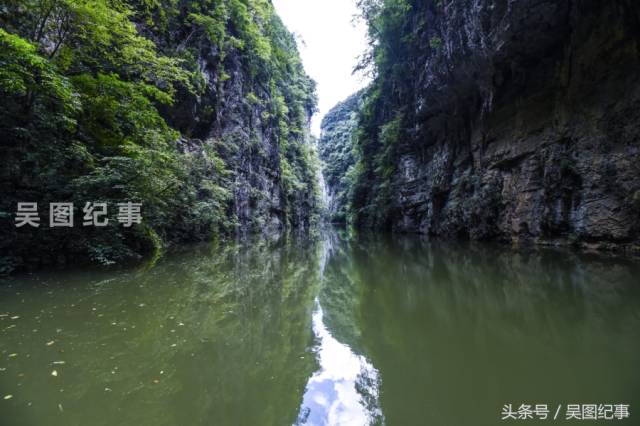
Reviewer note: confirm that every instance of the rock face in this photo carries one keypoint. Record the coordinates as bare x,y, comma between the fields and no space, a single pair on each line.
522,124
271,179
335,148
242,134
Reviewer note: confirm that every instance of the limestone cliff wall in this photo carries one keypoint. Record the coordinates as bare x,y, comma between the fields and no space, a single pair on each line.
522,124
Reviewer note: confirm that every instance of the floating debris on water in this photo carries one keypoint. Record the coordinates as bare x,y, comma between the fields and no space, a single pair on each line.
51,342
54,373
8,396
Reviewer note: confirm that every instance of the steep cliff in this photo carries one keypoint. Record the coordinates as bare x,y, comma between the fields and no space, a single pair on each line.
516,121
335,148
198,110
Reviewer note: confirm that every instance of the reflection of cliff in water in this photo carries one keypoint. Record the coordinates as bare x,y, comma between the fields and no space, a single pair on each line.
450,324
195,339
367,331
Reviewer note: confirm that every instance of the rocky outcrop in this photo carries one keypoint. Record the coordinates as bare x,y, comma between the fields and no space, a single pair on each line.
244,136
237,117
521,124
335,148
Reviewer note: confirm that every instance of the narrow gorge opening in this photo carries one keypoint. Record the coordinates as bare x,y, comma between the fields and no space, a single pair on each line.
319,212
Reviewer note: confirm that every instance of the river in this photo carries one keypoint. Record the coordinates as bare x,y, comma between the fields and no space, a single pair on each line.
315,331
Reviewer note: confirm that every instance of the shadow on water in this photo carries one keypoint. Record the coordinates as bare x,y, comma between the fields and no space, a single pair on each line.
373,330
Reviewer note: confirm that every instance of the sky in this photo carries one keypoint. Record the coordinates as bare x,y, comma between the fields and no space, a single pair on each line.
330,44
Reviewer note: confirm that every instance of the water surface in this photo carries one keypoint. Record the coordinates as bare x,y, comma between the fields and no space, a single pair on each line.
396,331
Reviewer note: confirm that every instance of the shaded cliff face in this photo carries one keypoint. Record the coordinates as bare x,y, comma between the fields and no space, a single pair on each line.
520,122
335,148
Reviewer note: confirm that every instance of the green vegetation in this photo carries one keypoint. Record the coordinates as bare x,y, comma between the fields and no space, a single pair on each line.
110,100
336,151
397,36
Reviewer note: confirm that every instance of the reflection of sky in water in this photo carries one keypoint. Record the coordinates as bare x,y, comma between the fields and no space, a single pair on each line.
344,391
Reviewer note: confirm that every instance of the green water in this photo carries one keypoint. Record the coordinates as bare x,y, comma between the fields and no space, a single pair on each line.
325,331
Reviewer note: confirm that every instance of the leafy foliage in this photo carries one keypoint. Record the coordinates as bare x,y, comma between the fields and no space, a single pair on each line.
397,36
95,94
336,151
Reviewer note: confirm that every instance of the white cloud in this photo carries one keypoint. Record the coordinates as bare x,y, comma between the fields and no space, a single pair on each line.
330,43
